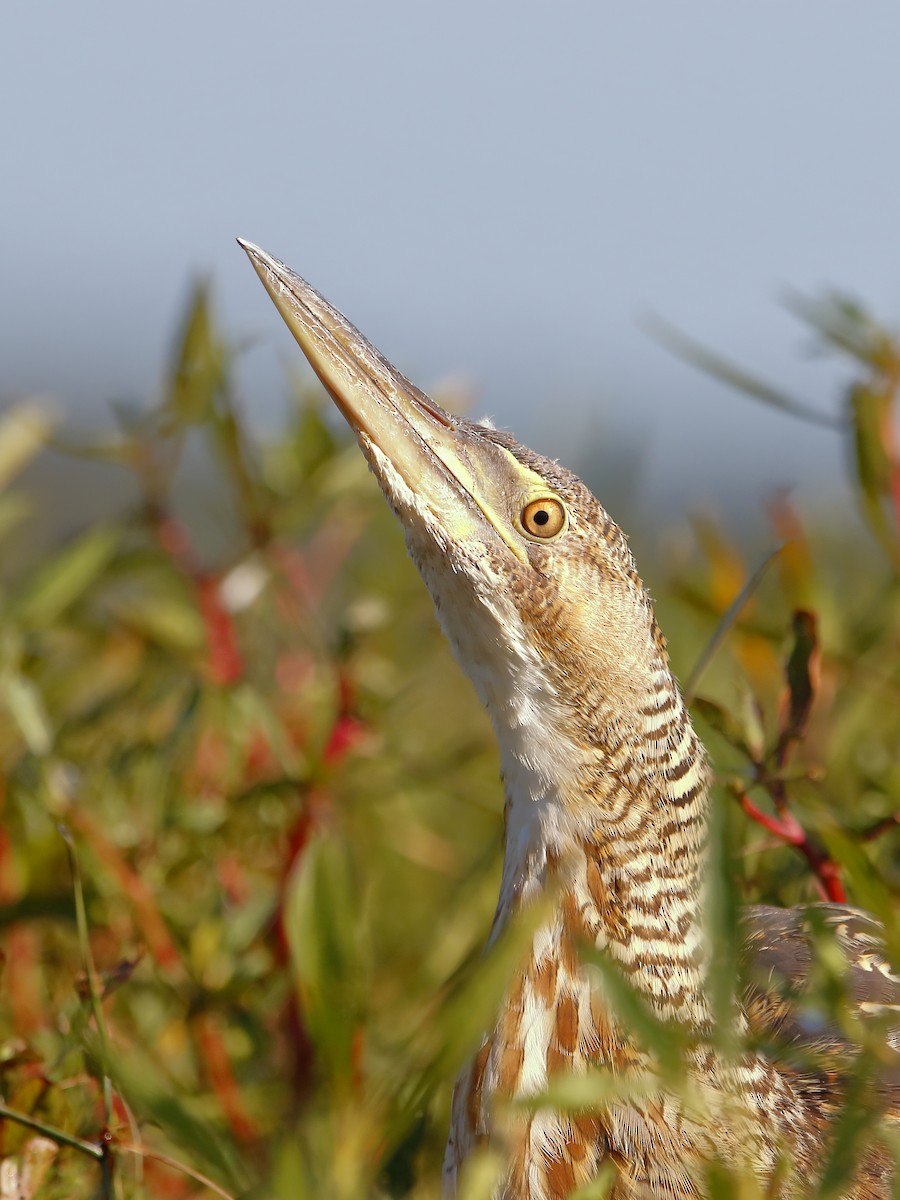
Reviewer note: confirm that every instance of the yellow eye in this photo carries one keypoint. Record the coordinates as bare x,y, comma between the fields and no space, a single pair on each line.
544,518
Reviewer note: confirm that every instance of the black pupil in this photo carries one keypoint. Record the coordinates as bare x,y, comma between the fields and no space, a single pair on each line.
541,517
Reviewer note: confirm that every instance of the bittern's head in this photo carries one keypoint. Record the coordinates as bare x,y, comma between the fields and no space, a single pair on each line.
533,582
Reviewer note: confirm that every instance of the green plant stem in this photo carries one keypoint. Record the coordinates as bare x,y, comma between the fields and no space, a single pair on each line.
725,624
90,971
190,1172
55,1135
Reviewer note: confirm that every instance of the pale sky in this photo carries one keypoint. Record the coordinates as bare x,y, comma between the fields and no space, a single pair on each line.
497,190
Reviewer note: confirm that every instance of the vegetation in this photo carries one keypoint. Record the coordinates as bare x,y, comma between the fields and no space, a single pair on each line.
251,817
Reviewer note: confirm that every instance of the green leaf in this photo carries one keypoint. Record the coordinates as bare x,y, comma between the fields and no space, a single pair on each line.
801,671
665,1041
736,377
200,362
322,921
596,1088
315,443
64,579
721,720
852,1128
722,921
481,1175
843,323
15,509
25,706
24,430
163,614
752,723
475,993
601,1186
871,413
155,1098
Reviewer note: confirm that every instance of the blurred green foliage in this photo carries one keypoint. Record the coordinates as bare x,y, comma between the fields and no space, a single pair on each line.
251,816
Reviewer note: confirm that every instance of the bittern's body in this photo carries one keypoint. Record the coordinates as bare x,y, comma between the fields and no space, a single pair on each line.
606,810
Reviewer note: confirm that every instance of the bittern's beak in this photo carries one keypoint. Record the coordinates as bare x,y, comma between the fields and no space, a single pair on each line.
438,459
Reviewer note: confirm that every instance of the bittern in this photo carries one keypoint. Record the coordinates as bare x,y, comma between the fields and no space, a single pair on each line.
606,811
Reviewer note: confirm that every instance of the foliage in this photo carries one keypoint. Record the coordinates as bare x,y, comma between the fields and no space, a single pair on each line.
250,846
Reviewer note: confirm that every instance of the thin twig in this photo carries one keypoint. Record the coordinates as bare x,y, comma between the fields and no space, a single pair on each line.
704,359
54,1134
224,659
785,827
872,832
90,970
726,621
788,830
199,1177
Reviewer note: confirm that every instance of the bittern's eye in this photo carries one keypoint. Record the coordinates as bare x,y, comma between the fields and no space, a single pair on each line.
544,518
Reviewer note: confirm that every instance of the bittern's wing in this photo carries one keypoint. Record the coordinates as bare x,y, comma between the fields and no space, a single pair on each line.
782,958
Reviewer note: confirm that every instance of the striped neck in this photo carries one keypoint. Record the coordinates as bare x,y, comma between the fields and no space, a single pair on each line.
605,779
621,832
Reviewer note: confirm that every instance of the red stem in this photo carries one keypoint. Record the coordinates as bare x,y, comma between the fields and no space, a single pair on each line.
219,1072
223,655
788,829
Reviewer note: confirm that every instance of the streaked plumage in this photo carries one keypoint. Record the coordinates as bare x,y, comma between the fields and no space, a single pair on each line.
606,809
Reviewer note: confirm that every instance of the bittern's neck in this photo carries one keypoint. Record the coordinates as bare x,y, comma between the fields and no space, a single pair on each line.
612,811
606,781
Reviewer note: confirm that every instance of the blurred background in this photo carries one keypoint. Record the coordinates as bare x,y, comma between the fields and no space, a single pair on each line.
250,814
493,193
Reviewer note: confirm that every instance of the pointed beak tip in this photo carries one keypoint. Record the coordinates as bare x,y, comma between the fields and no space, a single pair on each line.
269,269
